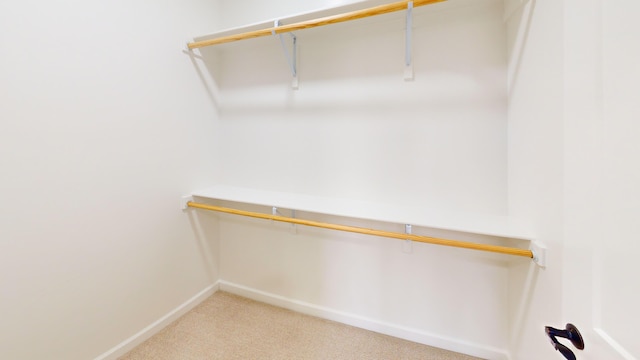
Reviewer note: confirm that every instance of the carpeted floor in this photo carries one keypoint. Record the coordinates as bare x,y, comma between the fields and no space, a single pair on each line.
227,326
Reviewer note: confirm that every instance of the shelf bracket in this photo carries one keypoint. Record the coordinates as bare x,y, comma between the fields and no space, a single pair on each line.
294,227
276,212
292,58
407,246
408,55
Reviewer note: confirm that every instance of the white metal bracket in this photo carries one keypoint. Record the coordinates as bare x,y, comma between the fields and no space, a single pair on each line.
184,201
294,227
292,58
276,212
539,253
408,56
407,246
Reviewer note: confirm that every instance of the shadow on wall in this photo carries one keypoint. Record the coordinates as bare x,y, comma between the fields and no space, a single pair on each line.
522,280
205,229
208,82
512,41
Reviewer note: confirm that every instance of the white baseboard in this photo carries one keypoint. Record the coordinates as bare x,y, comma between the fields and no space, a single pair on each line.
410,334
406,333
144,334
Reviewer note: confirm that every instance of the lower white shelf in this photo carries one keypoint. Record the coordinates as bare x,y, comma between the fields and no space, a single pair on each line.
492,225
482,224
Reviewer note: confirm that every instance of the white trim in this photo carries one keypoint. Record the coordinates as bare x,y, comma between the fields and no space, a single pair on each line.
144,334
398,331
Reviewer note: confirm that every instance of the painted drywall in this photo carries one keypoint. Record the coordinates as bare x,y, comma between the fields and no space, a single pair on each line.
104,125
536,145
355,129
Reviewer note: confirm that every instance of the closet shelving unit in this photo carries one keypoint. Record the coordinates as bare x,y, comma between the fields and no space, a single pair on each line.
491,225
316,19
295,23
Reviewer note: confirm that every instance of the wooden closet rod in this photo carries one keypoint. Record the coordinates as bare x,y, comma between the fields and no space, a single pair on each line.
359,230
359,14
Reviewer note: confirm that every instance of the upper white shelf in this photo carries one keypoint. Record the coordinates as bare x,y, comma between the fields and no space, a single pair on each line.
326,16
295,18
493,225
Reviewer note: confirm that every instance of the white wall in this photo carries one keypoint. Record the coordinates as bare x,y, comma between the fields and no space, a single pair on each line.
355,129
536,96
104,125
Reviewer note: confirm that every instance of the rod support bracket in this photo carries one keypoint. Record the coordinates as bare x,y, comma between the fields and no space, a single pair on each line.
184,202
407,245
539,251
294,227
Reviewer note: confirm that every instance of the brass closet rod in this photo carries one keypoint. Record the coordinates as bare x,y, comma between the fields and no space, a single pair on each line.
359,230
334,19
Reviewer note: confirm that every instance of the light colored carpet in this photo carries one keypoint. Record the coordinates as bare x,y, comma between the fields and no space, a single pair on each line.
226,326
